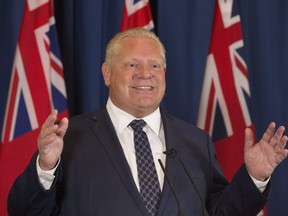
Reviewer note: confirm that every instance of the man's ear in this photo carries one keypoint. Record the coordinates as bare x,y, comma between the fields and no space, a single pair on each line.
106,74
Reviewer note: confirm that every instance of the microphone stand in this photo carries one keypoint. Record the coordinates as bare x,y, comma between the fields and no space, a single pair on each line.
205,213
180,213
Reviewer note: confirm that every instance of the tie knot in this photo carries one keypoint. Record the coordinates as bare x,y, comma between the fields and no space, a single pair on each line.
137,124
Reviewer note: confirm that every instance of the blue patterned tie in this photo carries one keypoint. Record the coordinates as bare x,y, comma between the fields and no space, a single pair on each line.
148,179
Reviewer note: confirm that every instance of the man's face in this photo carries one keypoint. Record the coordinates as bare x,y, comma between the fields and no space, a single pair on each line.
136,78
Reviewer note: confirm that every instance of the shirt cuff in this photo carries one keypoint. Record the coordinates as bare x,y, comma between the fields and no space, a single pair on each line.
261,185
46,178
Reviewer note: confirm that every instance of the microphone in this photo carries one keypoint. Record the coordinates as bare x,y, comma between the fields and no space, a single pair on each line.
205,213
170,152
171,187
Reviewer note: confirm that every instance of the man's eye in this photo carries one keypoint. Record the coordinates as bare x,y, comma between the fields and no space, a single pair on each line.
131,65
155,66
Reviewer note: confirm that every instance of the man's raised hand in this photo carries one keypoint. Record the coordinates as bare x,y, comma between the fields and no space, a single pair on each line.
262,158
50,141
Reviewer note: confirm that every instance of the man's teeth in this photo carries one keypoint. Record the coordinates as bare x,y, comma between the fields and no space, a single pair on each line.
144,87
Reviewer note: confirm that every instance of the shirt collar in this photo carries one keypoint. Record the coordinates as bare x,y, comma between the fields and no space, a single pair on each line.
122,119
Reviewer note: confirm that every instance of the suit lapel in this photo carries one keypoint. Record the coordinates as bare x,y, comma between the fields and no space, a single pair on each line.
172,162
104,130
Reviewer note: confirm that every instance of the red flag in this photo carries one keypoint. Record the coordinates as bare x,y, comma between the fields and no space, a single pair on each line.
224,111
36,87
137,14
223,107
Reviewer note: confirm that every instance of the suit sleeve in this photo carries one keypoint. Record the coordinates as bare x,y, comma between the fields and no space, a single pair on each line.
28,197
240,197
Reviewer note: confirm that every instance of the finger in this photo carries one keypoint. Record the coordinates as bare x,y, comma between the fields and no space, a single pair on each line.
51,119
277,149
46,141
277,138
280,146
284,153
63,125
48,129
50,134
249,138
269,132
280,151
47,132
280,157
283,142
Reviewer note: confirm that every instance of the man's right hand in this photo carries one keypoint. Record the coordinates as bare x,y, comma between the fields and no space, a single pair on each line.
50,141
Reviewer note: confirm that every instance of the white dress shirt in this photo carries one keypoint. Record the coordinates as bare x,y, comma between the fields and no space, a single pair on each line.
154,131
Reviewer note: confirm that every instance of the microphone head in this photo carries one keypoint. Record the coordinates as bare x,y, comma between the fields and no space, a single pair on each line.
171,152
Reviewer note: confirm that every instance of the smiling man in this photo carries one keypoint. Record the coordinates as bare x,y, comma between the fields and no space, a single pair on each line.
109,164
135,73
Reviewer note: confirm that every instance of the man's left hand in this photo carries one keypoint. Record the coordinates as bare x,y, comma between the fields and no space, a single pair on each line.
263,157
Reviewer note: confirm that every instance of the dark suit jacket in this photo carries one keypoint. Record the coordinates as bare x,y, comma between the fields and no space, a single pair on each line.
94,178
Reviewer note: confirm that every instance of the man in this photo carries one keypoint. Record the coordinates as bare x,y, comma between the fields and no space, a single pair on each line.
97,171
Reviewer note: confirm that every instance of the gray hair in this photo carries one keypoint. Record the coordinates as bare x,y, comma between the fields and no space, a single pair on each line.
114,43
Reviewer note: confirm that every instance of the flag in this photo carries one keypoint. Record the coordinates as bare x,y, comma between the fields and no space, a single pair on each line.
36,87
224,111
225,98
137,13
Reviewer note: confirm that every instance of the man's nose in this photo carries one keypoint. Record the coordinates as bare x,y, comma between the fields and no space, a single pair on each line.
145,71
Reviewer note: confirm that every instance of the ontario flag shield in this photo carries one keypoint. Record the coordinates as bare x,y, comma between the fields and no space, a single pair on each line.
36,87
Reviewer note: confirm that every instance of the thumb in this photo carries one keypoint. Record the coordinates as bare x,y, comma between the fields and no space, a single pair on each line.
249,139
